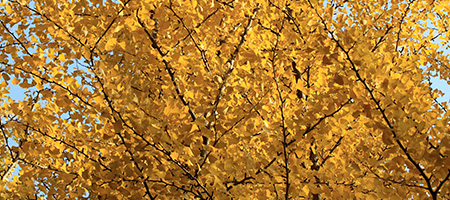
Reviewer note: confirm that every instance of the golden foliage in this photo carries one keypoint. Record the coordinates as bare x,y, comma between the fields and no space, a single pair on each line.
219,99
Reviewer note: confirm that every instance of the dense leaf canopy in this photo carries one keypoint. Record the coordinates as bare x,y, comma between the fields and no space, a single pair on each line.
224,99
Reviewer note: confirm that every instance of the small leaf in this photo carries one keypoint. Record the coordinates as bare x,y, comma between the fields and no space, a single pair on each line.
15,81
5,77
118,126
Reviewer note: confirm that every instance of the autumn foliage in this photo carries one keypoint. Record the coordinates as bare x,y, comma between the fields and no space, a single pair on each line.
224,99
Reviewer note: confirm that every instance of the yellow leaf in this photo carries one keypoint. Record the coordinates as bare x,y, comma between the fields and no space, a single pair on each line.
33,39
15,81
8,9
188,151
189,94
110,44
39,86
62,57
305,189
122,45
246,67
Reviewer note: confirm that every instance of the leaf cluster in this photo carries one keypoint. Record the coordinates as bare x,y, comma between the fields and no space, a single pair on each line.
224,99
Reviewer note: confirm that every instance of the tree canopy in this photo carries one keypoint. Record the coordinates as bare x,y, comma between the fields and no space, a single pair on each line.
224,99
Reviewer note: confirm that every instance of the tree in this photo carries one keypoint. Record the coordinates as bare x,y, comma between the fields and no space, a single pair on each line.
224,99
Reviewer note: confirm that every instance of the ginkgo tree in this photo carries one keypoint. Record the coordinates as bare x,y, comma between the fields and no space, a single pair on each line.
224,99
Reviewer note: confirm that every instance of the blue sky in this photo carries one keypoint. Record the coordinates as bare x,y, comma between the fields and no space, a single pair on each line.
443,86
